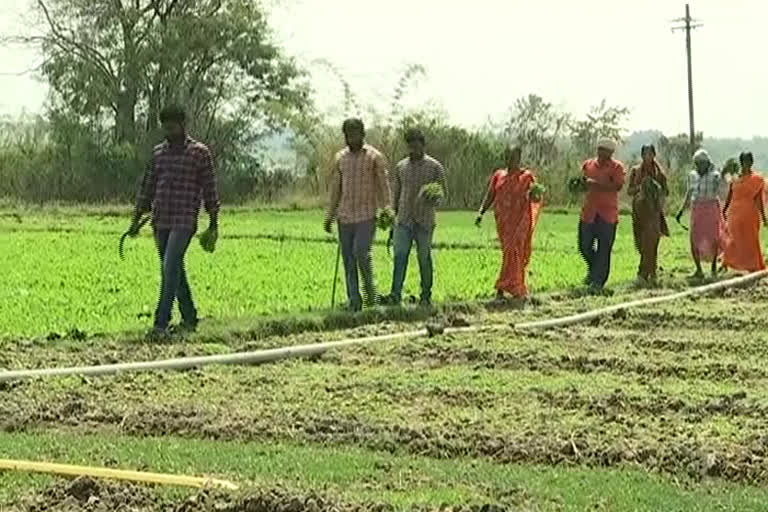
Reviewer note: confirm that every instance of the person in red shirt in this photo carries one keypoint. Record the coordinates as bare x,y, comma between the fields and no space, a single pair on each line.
604,178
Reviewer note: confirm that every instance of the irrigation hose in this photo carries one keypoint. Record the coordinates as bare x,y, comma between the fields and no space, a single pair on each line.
315,349
114,474
591,315
256,357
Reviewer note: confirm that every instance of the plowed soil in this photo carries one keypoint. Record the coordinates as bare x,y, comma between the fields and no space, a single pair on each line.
674,389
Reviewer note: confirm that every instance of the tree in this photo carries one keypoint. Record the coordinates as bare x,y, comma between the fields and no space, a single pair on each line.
468,157
601,121
537,126
317,142
676,151
126,58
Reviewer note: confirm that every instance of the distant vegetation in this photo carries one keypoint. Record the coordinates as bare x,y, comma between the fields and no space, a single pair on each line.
110,69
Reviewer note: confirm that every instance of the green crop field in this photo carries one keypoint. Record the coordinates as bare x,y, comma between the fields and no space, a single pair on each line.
62,272
656,408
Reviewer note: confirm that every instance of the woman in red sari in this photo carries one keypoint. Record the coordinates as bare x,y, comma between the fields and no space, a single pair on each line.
648,189
516,214
745,211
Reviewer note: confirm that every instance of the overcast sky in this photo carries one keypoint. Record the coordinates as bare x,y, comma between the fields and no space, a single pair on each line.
483,54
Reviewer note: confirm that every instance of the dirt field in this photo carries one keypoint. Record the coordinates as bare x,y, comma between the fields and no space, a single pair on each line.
651,409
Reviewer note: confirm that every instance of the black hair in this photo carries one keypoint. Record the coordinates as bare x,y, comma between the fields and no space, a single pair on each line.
746,155
648,147
351,124
173,114
414,135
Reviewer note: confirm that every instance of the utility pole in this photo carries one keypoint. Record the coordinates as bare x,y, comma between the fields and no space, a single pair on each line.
688,26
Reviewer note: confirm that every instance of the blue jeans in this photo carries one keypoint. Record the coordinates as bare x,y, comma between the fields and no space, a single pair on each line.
402,240
596,244
356,240
172,246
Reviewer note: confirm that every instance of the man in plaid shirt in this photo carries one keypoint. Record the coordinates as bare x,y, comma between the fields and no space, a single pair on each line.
180,175
359,188
415,215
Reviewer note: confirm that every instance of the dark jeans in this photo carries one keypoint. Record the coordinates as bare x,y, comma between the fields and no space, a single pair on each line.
403,238
356,240
172,246
596,244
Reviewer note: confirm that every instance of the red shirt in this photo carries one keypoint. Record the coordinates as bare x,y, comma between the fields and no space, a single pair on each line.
176,182
604,203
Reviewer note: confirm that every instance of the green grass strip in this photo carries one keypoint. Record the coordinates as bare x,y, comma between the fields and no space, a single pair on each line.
357,475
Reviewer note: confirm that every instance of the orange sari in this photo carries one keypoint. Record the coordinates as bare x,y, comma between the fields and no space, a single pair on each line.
742,251
516,217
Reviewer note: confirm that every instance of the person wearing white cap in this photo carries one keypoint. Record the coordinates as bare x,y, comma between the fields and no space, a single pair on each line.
707,231
604,178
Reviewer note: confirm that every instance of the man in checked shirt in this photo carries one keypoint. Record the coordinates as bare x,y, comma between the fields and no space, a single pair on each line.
180,174
360,187
415,215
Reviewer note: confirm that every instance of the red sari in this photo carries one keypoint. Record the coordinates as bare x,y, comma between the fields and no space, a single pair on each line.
516,217
648,221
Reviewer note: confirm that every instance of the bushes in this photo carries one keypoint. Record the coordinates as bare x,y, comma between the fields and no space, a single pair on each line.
80,171
554,144
61,160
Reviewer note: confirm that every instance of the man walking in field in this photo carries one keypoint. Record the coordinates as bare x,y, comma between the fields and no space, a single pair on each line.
180,174
359,188
414,200
604,178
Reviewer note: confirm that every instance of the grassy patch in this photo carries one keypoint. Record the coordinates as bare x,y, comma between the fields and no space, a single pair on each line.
273,263
356,475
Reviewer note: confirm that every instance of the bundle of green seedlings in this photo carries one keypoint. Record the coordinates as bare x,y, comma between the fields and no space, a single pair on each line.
385,219
651,189
731,167
432,193
577,185
536,192
208,240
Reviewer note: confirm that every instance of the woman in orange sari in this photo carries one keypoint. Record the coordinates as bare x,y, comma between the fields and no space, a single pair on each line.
744,210
516,214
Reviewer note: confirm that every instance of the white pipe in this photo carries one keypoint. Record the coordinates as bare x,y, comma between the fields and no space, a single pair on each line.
590,315
314,349
256,357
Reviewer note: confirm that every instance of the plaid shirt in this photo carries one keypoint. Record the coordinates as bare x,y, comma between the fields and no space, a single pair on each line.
360,185
705,188
410,177
173,185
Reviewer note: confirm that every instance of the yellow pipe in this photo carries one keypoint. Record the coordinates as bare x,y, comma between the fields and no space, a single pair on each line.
114,474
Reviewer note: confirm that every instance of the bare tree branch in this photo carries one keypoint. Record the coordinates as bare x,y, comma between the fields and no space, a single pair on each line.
67,43
215,8
164,15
